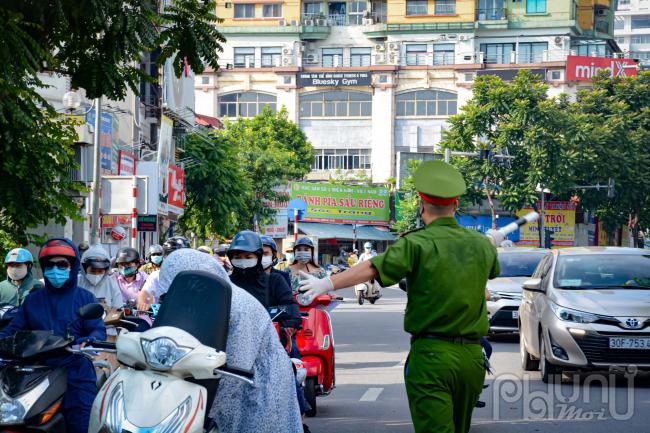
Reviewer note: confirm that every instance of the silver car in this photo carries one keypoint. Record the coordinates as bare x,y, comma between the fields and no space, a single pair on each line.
587,309
517,265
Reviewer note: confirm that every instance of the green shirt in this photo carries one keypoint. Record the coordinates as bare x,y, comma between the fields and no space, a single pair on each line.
446,267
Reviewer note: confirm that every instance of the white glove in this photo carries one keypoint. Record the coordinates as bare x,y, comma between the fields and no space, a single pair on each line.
496,237
312,287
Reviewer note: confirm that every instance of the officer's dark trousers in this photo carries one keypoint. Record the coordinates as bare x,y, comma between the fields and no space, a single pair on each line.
443,382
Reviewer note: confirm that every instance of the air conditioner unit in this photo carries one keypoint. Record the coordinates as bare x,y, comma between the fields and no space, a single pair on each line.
286,61
321,23
559,40
601,12
380,48
380,59
287,52
393,46
295,23
393,58
311,59
282,23
309,22
368,21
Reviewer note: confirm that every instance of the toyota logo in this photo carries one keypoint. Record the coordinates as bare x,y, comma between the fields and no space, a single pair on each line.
632,323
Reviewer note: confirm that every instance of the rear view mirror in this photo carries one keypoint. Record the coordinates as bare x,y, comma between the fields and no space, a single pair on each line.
534,285
91,312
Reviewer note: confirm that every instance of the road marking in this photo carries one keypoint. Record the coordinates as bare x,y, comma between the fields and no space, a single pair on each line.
371,394
400,364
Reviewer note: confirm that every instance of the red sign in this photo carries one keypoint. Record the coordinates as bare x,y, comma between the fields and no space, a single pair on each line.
583,68
126,163
176,183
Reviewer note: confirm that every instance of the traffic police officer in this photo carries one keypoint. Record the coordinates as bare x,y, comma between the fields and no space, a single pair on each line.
446,267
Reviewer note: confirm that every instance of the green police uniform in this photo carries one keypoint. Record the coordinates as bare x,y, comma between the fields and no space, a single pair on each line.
446,267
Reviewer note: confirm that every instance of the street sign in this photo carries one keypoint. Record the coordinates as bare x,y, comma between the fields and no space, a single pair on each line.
176,188
117,195
333,79
147,223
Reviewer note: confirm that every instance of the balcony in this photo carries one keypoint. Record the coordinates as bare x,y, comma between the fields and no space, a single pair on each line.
492,18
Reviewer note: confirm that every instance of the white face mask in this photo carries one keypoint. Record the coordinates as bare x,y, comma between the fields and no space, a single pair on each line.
267,261
94,279
244,263
303,256
17,273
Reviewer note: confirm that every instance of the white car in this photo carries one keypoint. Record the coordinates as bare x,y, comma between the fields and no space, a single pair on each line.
517,265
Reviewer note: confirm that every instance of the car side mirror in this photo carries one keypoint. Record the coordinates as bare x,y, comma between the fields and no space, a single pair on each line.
534,285
91,312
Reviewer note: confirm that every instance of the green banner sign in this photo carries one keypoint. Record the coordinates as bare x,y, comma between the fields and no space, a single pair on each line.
343,203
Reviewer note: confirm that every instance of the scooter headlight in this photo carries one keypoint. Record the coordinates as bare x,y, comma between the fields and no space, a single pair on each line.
162,353
11,412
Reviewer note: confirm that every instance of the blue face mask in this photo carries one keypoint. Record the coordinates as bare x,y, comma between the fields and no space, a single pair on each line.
129,272
57,277
156,260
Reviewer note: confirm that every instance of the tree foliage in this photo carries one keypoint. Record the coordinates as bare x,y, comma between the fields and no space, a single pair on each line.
98,44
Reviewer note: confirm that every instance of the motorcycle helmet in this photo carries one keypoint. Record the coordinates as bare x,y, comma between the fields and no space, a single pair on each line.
19,255
205,249
83,247
304,241
56,247
175,243
127,255
267,241
221,250
96,262
246,241
155,249
367,246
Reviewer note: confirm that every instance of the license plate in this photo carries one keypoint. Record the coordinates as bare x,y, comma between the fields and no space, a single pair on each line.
629,343
515,314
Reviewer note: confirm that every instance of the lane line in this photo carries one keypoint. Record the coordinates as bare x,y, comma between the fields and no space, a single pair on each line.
371,394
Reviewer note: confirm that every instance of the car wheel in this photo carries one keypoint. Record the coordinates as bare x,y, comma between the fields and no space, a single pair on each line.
527,362
310,395
550,373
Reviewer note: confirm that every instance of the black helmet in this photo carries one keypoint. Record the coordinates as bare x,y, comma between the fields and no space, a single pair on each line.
221,250
175,243
304,242
96,262
83,247
246,241
127,255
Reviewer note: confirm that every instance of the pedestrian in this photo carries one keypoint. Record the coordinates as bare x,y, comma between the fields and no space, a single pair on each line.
268,406
154,259
304,262
95,278
446,267
20,281
54,309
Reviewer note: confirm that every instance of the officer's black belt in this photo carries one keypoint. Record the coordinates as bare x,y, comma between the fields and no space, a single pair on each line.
456,340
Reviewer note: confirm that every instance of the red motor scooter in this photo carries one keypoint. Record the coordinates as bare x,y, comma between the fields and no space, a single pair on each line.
316,345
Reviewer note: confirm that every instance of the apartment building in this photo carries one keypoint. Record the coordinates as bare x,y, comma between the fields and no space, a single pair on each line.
373,83
632,29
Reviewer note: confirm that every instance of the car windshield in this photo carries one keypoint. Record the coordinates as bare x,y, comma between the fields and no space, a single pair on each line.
519,264
602,271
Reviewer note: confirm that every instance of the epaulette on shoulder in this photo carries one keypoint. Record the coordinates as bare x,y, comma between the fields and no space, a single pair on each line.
411,231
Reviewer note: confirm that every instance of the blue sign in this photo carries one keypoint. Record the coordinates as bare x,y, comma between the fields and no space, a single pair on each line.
296,204
105,139
483,223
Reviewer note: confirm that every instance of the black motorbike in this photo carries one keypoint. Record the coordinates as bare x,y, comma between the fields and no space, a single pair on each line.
31,392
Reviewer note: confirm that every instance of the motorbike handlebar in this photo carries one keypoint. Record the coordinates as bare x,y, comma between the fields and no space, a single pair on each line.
236,373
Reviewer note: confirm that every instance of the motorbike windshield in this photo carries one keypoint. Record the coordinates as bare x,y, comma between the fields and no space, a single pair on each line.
198,302
31,344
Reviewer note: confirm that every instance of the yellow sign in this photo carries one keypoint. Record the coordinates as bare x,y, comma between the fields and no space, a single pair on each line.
559,219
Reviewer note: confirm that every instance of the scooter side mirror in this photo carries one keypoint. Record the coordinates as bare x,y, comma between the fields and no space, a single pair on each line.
91,312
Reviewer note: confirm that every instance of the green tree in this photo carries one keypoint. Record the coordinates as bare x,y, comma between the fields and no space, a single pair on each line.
273,150
409,201
217,191
98,44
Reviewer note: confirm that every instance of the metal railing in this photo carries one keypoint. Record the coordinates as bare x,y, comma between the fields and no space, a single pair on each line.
444,8
491,14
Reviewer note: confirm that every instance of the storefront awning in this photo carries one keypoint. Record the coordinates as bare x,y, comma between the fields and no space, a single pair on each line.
344,231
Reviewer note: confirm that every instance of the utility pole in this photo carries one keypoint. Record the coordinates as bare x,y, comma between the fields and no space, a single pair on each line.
94,226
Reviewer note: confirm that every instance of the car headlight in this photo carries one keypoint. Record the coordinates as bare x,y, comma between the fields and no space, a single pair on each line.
115,410
162,353
11,412
569,315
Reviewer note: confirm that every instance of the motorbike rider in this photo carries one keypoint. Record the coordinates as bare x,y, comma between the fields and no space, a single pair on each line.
304,261
252,345
270,289
270,258
205,249
283,265
54,308
95,278
447,268
83,247
20,281
222,254
368,252
128,278
154,259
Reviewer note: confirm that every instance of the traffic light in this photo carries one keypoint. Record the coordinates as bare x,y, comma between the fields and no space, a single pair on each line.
611,191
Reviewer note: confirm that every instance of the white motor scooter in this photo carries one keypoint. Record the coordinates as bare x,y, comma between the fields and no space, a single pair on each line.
370,290
188,340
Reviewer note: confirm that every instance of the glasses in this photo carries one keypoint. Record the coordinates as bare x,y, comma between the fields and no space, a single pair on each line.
61,264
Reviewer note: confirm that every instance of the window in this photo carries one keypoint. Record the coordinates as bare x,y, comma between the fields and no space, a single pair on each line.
535,6
416,7
620,40
271,56
332,57
532,52
443,54
312,11
336,103
357,11
427,103
343,159
244,10
205,79
245,104
623,4
556,75
490,10
445,7
641,22
497,53
619,23
359,56
640,39
272,10
416,54
591,48
245,57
